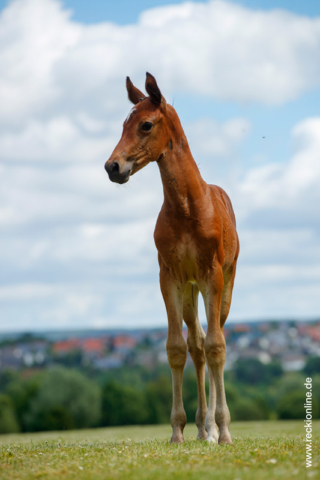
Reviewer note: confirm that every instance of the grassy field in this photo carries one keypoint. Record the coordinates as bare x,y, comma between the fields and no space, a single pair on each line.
261,450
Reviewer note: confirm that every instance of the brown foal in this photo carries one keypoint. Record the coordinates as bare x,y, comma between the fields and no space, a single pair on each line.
197,246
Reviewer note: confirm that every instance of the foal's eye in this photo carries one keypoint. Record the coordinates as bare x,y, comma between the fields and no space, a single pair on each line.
146,127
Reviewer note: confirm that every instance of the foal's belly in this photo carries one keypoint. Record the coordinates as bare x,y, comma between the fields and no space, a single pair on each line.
193,258
187,260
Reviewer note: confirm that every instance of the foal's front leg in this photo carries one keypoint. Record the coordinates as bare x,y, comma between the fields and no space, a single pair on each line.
176,350
195,344
215,348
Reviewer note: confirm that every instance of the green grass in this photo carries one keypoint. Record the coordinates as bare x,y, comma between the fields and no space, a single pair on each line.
261,450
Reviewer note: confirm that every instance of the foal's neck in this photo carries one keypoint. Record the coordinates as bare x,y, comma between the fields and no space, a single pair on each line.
183,187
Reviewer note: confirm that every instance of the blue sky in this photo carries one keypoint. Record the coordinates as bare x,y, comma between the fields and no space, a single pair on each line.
124,11
73,244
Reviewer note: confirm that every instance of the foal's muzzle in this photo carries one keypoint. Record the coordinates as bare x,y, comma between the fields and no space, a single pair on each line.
116,174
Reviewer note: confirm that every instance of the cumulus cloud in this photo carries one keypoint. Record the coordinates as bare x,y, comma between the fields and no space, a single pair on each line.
27,83
113,303
279,267
58,140
75,245
217,48
214,139
101,240
293,184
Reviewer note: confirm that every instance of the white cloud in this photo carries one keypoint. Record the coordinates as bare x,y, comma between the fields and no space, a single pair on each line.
52,65
102,233
111,303
35,34
58,139
48,194
63,100
292,184
24,292
214,139
279,264
70,305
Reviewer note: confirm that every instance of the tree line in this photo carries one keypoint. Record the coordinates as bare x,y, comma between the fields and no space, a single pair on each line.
62,398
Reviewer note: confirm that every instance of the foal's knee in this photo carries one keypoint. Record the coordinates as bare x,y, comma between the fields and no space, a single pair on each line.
215,350
177,352
196,349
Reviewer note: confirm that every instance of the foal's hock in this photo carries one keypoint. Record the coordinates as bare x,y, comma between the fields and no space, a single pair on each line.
197,246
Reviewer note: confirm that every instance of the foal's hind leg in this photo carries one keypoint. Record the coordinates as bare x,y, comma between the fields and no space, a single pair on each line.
215,349
228,281
223,419
210,421
195,343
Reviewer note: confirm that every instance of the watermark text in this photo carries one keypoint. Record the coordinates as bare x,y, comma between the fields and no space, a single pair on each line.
308,422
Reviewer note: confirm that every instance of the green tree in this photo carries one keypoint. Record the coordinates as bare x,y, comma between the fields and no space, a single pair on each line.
22,392
159,400
54,417
122,405
312,366
190,394
7,376
246,403
247,409
291,397
291,382
253,371
66,399
232,393
73,359
8,420
291,406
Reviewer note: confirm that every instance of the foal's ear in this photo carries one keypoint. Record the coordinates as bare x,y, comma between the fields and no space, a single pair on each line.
134,93
154,92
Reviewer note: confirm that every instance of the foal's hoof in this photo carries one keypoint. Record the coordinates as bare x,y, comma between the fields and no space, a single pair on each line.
213,434
202,435
177,438
225,438
211,439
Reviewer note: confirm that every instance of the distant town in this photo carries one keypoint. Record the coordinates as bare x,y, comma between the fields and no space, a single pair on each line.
288,342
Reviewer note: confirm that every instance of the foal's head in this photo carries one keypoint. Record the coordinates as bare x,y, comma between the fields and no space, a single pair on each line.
146,132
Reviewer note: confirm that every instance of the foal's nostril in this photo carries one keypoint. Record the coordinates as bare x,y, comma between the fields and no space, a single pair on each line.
112,168
115,167
116,173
